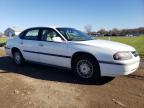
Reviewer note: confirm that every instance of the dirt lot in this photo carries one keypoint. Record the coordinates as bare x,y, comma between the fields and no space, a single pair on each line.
36,86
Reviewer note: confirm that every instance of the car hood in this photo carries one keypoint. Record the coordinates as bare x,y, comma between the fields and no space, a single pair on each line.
108,44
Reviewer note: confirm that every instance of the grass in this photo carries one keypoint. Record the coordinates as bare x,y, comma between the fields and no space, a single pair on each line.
136,42
3,39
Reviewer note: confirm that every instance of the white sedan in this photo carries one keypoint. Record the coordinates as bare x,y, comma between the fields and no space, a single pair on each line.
73,49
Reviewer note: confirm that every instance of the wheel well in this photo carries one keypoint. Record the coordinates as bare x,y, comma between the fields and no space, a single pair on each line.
15,49
78,54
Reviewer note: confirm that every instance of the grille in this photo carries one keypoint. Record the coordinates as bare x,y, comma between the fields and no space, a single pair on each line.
135,53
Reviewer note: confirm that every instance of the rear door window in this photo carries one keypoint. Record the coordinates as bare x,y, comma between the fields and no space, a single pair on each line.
31,34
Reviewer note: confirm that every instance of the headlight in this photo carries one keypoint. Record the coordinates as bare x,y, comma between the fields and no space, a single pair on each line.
122,56
135,53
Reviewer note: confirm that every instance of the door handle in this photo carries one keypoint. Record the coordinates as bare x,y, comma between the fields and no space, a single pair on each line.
41,44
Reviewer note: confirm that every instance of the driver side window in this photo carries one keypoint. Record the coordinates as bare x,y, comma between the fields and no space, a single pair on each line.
49,34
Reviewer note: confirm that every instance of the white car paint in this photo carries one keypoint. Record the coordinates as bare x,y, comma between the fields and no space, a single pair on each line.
102,50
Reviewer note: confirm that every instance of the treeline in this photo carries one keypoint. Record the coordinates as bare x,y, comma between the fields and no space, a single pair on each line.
123,32
115,32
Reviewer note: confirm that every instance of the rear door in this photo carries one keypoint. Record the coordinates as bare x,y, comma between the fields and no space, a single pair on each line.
29,44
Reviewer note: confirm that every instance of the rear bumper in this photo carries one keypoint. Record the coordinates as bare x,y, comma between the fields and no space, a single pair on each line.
8,51
121,68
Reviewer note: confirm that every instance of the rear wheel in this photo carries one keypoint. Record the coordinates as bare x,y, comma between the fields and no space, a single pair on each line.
18,58
86,68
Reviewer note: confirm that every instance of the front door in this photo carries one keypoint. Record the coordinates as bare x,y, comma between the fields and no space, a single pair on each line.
53,52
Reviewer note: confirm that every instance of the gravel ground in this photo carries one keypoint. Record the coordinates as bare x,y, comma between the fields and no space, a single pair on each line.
37,86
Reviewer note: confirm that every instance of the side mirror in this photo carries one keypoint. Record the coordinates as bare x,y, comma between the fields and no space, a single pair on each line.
57,39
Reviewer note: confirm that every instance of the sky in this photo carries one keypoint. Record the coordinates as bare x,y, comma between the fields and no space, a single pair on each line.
99,14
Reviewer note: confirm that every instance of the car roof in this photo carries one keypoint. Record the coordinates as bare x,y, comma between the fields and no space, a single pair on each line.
52,27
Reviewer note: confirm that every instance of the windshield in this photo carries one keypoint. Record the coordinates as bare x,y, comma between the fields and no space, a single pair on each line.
73,35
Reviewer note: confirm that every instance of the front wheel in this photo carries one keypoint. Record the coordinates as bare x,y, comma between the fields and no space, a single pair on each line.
86,68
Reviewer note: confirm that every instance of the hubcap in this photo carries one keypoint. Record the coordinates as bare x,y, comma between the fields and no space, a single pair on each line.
85,68
17,57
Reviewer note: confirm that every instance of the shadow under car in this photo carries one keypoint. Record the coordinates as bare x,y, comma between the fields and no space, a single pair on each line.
46,72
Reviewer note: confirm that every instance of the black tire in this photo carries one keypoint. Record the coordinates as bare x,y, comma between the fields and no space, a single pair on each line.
18,58
86,68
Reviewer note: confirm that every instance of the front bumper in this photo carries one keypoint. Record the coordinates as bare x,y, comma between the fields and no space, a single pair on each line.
119,68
